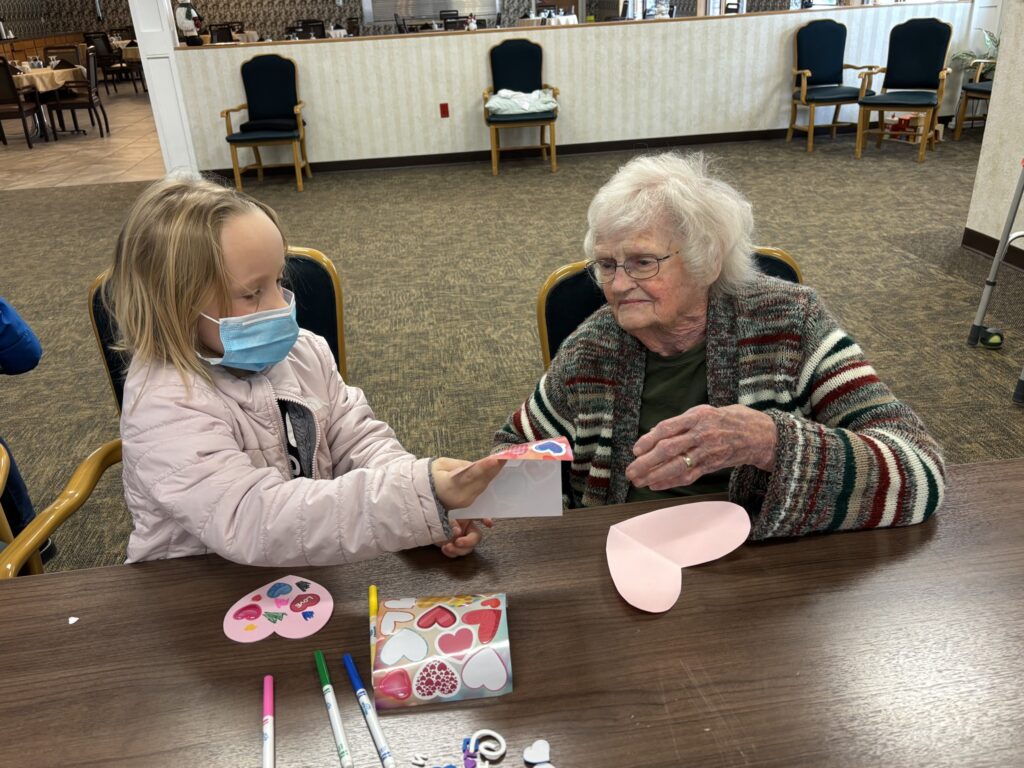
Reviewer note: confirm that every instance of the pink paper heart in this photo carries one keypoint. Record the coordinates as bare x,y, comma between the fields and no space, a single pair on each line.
287,621
645,553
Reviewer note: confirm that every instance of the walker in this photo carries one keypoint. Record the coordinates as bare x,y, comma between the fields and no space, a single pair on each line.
992,338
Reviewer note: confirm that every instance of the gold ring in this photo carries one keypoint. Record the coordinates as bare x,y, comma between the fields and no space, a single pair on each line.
688,460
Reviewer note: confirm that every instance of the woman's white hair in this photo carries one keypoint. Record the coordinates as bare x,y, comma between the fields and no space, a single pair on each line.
714,221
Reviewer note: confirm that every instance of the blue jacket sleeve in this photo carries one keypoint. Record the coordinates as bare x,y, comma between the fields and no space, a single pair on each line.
19,348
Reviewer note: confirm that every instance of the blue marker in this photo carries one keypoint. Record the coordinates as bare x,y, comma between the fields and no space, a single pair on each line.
369,714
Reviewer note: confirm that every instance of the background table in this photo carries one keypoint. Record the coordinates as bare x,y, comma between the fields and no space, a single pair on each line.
899,647
47,79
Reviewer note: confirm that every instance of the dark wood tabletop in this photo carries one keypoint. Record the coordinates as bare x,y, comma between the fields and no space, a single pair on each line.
900,647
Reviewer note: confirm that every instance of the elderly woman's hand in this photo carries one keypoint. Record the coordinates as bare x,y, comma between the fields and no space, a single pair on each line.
700,441
457,484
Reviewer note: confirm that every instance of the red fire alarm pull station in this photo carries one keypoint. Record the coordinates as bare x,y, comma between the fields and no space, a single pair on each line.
444,110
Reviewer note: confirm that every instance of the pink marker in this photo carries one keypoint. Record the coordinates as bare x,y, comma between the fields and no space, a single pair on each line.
268,721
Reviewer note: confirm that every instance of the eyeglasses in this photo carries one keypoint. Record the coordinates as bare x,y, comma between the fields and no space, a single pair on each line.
642,267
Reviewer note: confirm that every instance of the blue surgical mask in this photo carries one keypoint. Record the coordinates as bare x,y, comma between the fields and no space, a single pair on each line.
256,342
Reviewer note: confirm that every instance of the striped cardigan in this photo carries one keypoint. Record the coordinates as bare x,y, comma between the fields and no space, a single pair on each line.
850,455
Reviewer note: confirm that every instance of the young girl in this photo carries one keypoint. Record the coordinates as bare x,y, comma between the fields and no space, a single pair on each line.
239,436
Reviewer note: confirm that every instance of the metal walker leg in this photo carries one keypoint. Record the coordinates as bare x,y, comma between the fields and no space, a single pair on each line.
978,328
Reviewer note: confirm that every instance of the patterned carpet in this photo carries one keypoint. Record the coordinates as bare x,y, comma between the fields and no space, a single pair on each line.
441,267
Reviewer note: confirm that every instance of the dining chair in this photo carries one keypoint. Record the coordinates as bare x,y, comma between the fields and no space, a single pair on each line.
24,548
220,33
19,103
517,65
818,67
76,95
236,26
35,562
400,26
125,33
315,28
274,116
976,89
109,60
915,82
449,14
72,54
319,308
569,296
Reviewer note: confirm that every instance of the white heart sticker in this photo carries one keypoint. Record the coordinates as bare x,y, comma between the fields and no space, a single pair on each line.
485,669
391,618
403,644
537,753
402,602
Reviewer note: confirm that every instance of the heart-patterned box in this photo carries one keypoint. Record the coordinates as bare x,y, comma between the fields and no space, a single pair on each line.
432,649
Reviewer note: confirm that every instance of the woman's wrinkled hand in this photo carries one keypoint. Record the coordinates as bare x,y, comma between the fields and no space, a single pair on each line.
702,440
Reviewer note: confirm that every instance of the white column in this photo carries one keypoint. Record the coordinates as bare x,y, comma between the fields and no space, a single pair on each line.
157,36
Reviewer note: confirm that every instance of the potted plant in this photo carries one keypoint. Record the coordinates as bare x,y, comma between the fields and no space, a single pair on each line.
962,59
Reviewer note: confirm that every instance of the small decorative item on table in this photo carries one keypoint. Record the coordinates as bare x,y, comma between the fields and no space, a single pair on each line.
433,649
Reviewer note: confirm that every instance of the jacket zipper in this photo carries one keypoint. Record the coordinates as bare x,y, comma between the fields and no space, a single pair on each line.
284,429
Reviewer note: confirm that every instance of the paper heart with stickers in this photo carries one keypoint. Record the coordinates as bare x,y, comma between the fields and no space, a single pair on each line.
529,485
292,607
447,649
646,553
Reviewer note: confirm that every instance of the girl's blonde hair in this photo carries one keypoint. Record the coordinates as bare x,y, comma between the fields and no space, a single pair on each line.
168,265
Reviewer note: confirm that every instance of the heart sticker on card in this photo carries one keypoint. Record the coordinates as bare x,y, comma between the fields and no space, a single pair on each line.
645,553
291,607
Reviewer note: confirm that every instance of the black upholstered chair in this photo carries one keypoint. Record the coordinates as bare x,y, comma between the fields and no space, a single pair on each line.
110,61
978,88
19,103
220,33
915,81
569,296
76,95
72,54
319,308
400,26
818,67
312,28
517,65
275,116
449,14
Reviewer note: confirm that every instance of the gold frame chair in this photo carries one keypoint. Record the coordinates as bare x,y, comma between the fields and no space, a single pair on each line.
925,132
966,96
35,563
25,547
804,75
566,271
298,145
495,128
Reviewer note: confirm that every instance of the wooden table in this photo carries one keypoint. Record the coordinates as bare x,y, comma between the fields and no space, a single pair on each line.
899,647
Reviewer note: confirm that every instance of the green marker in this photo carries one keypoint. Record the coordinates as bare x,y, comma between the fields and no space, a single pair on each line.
332,712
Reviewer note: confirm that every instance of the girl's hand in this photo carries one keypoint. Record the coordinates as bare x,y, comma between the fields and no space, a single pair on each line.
457,484
702,440
465,537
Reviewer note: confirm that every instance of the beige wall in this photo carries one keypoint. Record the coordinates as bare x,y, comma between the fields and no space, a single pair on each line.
378,98
999,166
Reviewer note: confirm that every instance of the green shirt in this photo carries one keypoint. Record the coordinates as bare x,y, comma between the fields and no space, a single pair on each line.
673,385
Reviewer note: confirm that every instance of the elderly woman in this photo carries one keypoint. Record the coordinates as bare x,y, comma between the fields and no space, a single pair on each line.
702,375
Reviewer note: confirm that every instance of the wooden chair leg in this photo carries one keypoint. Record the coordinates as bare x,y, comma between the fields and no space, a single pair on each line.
305,159
298,164
961,115
3,136
554,151
926,121
861,126
835,121
543,149
104,113
881,128
810,128
234,164
792,121
259,164
24,126
74,119
933,140
494,150
53,123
